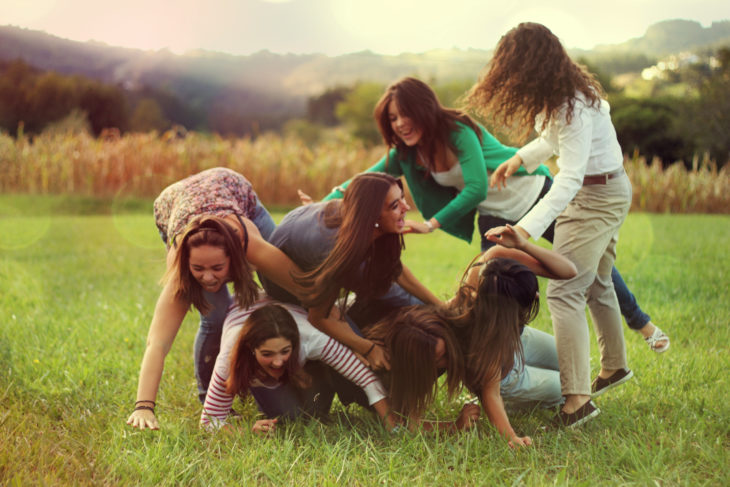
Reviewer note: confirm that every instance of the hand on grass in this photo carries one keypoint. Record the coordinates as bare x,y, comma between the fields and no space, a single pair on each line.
264,427
517,441
143,418
468,416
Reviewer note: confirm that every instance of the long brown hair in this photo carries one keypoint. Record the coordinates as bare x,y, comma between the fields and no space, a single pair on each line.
417,101
488,320
410,335
531,73
216,232
269,321
357,262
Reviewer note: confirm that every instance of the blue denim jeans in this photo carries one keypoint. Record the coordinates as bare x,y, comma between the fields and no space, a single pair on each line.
287,402
208,339
635,317
537,380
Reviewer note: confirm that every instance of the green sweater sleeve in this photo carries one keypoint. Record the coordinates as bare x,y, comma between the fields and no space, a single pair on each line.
389,163
473,169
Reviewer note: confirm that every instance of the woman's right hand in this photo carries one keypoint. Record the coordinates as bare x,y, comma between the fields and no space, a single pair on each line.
468,416
378,358
517,441
499,177
143,418
264,427
304,197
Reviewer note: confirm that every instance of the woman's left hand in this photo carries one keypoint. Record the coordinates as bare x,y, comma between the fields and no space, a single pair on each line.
508,236
304,197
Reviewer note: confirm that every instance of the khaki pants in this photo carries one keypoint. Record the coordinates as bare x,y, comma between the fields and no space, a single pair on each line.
586,233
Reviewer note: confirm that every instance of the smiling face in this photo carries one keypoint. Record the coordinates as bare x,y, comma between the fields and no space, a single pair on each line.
273,355
392,216
209,266
403,126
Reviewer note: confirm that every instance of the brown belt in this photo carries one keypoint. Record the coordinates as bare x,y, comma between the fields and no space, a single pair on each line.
602,178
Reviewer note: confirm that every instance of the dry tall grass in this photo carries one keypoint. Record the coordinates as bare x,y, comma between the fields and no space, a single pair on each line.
141,165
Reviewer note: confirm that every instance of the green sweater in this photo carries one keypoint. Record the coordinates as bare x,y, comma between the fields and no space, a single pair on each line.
453,209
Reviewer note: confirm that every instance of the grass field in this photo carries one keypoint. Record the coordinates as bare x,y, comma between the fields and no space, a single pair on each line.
77,295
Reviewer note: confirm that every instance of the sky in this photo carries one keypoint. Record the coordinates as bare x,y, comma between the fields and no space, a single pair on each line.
335,27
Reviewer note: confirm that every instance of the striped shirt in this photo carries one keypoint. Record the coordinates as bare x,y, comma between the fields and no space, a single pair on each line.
314,345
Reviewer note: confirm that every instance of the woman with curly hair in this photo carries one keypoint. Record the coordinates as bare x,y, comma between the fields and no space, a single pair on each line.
531,81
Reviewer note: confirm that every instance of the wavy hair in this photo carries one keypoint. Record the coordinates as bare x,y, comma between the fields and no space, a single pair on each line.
357,262
488,320
269,321
216,232
529,74
410,334
417,101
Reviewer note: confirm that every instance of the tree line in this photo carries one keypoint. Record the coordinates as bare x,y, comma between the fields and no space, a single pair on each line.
660,122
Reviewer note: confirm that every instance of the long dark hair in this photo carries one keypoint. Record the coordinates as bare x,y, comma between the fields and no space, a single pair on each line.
531,73
410,335
269,321
417,101
357,262
488,320
216,232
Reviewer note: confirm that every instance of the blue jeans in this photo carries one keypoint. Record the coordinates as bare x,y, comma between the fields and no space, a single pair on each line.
635,317
288,402
208,339
537,380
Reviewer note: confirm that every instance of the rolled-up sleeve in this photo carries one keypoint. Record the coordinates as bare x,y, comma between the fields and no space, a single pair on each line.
573,148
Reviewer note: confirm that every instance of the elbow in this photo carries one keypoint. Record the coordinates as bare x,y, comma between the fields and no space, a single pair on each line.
571,271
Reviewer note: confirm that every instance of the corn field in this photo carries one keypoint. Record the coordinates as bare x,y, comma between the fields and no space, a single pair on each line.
141,165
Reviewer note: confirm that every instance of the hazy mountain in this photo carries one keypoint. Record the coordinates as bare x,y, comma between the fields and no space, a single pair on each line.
278,85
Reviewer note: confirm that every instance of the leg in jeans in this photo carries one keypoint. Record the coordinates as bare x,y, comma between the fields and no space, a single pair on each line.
288,402
263,221
208,339
537,380
630,309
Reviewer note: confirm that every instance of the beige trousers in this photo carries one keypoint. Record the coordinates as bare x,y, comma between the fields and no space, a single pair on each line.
586,233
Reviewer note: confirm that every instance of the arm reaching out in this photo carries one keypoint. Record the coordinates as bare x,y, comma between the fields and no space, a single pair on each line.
494,406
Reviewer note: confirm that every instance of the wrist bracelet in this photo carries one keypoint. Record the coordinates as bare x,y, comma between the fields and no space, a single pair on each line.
145,400
148,408
429,225
369,350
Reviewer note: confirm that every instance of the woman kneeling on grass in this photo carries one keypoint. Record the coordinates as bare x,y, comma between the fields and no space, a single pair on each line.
264,350
480,339
214,228
351,245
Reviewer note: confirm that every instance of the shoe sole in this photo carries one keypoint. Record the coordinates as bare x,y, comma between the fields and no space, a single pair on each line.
585,419
611,386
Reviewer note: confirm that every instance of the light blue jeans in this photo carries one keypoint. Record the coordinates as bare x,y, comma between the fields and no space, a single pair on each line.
537,380
208,339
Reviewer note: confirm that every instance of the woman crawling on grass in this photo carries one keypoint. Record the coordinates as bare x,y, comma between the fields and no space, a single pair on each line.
351,245
215,230
264,350
480,339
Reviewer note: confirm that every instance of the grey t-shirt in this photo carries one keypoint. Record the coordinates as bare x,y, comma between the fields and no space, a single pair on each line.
303,236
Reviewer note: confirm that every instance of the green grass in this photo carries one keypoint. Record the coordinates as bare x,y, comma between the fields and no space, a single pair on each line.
77,294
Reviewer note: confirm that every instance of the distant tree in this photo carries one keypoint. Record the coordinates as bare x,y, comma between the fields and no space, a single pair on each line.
148,116
356,111
603,77
652,127
321,109
712,117
105,106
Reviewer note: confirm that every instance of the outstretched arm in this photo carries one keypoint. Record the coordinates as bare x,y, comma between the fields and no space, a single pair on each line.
169,314
494,406
514,244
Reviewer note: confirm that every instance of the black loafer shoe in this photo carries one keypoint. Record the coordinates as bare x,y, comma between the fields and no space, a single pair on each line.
577,418
600,385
